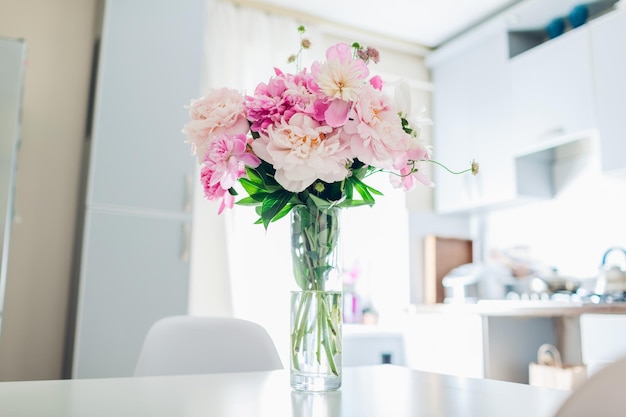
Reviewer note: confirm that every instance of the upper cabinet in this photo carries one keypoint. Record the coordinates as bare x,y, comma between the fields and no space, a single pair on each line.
472,115
608,42
509,97
552,91
451,133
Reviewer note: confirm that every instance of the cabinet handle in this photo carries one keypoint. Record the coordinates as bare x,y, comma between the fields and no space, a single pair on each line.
188,193
186,243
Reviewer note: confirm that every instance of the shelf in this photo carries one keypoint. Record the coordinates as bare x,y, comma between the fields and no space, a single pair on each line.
534,167
528,23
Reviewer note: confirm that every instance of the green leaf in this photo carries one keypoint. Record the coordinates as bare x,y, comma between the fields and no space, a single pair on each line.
273,205
253,176
373,190
249,201
354,203
254,190
361,188
365,190
283,212
320,203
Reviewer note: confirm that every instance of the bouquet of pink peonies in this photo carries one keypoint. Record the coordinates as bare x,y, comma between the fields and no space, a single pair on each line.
306,143
309,138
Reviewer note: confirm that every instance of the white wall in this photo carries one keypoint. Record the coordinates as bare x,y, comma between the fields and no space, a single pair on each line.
59,35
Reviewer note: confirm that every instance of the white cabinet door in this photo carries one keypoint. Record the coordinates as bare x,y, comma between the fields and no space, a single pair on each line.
451,133
603,339
552,89
490,120
146,77
445,343
608,42
134,272
472,120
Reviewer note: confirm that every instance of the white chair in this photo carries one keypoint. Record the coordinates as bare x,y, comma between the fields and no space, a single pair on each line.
602,394
180,345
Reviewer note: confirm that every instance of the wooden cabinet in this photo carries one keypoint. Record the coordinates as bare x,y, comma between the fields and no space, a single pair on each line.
608,42
552,91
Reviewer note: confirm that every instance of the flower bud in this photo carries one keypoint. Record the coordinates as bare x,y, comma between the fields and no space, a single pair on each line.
474,167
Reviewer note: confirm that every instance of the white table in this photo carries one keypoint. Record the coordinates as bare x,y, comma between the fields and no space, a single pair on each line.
373,391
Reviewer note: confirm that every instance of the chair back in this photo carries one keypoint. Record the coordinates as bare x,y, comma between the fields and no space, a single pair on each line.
181,345
601,395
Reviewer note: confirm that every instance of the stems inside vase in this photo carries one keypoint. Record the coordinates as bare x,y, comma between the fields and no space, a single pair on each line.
316,310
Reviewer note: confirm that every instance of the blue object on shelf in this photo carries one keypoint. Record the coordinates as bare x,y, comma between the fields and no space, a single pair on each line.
578,15
556,27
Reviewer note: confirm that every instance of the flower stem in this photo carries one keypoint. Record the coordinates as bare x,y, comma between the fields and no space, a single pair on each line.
316,323
470,169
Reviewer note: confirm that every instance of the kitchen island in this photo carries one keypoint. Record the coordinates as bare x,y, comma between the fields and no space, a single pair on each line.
498,339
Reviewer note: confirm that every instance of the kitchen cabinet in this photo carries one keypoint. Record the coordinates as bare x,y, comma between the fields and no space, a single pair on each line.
135,248
462,340
603,339
451,133
608,45
472,112
552,92
490,118
450,344
365,345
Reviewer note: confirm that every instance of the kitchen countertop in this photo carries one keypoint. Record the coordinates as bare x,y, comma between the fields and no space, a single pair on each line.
512,308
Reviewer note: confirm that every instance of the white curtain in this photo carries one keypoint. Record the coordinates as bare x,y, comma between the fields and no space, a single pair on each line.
238,268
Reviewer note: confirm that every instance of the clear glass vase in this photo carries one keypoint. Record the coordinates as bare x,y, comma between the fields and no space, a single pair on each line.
316,309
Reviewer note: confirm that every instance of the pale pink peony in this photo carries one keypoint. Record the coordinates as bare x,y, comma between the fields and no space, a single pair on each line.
221,111
227,158
375,130
409,166
340,78
303,151
408,179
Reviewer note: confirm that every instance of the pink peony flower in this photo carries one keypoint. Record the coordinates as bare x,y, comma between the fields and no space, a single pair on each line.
215,191
281,98
227,158
409,166
303,151
376,82
408,179
375,130
222,111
